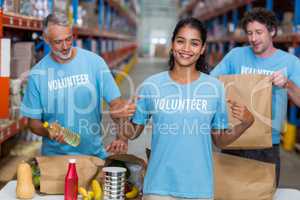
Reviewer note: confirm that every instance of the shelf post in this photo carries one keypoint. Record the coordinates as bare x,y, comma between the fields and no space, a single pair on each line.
50,5
248,7
107,50
46,47
1,23
100,14
87,43
99,46
75,4
112,17
107,16
297,15
209,25
113,45
235,18
225,20
269,4
297,22
4,74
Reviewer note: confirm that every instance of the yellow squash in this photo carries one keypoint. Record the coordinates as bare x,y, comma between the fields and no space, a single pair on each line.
25,188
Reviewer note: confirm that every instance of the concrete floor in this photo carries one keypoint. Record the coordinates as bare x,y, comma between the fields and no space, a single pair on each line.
290,167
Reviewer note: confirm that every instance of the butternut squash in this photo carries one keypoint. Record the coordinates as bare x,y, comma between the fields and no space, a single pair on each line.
25,188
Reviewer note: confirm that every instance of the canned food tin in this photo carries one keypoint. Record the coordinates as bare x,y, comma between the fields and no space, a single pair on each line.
114,171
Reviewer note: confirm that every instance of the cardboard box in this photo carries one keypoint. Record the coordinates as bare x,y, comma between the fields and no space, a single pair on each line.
15,86
287,22
90,19
20,67
11,6
23,50
23,59
15,100
161,51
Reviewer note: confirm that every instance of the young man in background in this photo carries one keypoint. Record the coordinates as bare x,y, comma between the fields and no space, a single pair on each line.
261,57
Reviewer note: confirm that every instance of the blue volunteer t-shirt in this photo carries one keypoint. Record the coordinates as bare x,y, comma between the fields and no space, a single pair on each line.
242,60
182,117
71,94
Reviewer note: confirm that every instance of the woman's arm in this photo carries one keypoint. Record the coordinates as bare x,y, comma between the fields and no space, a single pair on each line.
222,138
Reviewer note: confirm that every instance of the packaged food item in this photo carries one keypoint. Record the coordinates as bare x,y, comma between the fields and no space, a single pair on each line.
70,137
114,182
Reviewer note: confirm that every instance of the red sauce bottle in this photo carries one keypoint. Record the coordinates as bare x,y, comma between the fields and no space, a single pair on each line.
71,181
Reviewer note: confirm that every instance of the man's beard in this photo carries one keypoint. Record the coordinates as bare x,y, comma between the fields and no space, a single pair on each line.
62,56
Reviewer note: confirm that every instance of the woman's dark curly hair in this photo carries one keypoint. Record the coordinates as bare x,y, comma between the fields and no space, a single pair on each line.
194,23
262,16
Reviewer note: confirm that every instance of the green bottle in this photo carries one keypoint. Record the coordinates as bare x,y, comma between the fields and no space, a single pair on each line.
70,137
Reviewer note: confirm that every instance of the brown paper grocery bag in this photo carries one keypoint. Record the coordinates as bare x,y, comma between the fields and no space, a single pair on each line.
254,91
239,178
128,158
53,170
131,159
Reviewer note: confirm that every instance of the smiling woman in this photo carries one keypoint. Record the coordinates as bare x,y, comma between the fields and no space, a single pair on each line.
186,118
188,45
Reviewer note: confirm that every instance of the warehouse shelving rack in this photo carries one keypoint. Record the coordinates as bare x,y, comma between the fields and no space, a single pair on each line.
290,38
221,12
115,57
230,11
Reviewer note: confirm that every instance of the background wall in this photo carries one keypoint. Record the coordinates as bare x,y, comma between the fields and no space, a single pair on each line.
156,24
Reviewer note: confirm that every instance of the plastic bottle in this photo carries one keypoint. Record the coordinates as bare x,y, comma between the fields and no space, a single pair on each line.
71,181
70,137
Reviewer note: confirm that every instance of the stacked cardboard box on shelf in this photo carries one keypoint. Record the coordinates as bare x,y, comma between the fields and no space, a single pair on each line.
22,59
287,23
90,18
34,8
15,98
11,6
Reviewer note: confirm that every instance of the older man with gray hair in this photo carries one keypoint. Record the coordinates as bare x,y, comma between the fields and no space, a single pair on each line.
67,86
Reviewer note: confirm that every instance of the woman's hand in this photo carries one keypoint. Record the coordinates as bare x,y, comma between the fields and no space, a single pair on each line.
241,112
